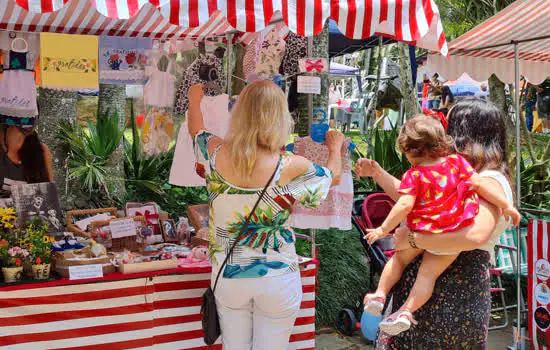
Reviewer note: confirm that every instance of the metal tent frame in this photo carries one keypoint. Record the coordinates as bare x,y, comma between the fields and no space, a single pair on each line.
515,44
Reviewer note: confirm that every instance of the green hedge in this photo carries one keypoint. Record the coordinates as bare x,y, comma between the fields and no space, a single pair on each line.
343,273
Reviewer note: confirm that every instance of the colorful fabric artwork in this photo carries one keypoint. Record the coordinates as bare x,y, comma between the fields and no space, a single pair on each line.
266,248
158,131
335,210
69,61
445,198
123,60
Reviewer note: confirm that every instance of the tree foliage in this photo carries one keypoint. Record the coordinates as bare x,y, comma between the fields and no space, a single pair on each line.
459,16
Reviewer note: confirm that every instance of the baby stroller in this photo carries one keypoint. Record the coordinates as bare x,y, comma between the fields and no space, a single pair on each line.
369,211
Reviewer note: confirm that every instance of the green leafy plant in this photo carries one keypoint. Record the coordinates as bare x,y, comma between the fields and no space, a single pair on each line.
535,184
90,150
381,147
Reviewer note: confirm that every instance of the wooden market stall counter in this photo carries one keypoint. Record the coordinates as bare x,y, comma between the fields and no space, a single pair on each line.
153,310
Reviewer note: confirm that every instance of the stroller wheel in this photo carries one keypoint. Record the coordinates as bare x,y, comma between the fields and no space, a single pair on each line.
346,322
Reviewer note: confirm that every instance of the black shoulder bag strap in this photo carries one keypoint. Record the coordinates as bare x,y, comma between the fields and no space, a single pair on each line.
246,224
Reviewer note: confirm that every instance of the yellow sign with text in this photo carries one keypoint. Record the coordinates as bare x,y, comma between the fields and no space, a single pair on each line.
69,62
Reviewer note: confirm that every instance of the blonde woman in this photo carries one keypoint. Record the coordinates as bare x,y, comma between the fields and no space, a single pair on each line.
259,293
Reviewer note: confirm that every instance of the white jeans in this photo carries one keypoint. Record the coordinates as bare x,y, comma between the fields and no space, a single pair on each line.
258,313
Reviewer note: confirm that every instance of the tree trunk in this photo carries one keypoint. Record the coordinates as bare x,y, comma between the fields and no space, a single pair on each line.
56,106
408,91
238,84
112,98
497,95
319,50
371,109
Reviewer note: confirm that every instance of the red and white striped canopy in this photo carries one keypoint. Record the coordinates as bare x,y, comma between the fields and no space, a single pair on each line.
523,20
412,21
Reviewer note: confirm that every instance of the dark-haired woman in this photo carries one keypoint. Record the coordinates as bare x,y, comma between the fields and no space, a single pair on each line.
457,315
23,158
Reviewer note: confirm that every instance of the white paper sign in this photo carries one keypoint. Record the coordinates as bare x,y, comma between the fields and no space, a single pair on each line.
309,85
122,228
83,224
81,272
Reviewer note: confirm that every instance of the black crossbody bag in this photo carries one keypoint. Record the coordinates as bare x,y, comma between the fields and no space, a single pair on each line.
209,311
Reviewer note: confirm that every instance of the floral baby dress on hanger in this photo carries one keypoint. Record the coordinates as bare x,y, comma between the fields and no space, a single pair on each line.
17,87
270,55
158,127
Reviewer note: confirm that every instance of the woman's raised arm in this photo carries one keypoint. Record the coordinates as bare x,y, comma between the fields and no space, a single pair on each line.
195,121
390,185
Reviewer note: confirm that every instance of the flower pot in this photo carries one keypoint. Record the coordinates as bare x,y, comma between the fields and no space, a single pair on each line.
41,272
12,274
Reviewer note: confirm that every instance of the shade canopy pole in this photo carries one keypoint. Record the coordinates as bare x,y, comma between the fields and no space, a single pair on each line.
517,336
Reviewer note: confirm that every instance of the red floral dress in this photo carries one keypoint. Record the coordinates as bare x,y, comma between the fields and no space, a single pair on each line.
445,198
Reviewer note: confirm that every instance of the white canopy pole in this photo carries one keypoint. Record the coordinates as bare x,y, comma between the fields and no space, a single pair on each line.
517,336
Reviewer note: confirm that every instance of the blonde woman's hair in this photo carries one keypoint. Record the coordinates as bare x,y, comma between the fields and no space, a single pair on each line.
260,120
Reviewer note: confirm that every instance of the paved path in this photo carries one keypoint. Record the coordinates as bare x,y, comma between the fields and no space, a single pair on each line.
498,340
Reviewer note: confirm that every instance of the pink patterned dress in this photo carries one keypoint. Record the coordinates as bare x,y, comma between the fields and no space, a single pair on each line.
445,197
335,210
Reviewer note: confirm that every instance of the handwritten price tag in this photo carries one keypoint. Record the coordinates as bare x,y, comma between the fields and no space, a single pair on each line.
122,228
81,272
309,85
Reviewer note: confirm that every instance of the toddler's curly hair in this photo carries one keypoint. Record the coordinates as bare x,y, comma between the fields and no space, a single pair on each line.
424,136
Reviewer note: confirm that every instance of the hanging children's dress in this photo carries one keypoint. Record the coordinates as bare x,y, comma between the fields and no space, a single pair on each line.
270,54
158,127
335,210
17,88
216,118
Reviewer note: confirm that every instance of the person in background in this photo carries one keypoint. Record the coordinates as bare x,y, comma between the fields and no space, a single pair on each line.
434,92
483,92
23,158
529,103
543,105
447,99
425,90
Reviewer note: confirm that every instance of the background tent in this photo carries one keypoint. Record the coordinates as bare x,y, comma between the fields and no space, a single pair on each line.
524,22
340,45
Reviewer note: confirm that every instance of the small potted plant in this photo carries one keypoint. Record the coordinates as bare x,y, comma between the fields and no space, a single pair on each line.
39,244
13,259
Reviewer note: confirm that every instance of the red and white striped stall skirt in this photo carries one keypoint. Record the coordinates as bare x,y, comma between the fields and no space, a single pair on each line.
159,310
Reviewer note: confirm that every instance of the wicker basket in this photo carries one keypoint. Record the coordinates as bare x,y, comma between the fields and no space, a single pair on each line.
131,243
71,214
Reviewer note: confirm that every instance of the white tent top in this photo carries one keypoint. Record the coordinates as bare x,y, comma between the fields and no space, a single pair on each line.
520,22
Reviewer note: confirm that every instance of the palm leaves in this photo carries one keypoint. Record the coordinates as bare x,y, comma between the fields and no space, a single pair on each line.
90,149
264,229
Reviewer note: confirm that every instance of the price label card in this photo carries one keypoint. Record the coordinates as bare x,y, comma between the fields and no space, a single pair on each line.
309,85
122,228
81,272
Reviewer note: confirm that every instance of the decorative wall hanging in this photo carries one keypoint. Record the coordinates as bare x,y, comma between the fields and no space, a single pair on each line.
38,200
123,60
68,61
17,89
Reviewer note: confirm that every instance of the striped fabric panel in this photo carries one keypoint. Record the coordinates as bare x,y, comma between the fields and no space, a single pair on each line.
161,312
412,21
538,253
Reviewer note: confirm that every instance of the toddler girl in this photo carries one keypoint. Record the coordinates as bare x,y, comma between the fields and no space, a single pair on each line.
438,195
